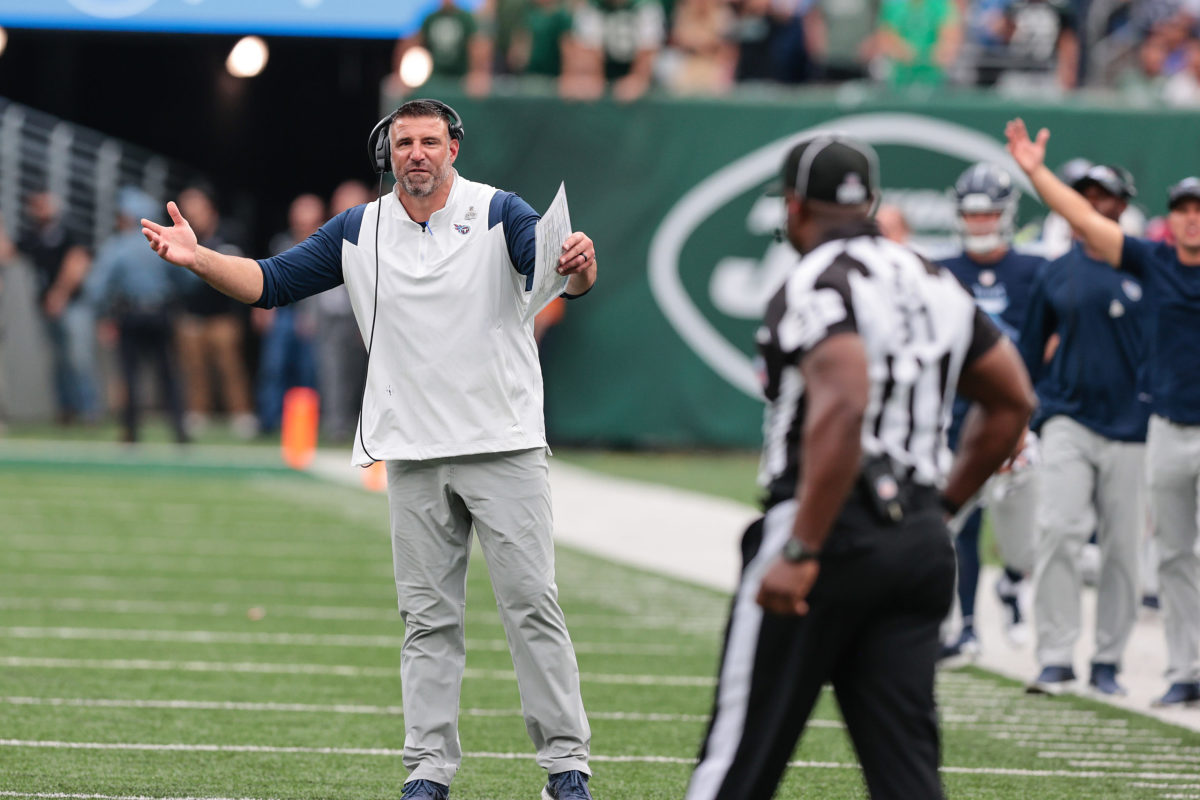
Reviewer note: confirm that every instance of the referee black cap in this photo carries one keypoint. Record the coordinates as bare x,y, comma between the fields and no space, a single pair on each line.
832,168
1111,178
1186,189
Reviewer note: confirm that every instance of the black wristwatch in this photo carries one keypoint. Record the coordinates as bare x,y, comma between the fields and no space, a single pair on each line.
796,551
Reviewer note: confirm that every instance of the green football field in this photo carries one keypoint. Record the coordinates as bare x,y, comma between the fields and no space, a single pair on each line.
205,631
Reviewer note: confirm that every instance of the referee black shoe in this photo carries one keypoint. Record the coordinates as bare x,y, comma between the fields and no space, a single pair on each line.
569,785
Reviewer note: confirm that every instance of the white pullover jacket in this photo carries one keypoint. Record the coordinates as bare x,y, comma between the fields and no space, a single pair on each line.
452,370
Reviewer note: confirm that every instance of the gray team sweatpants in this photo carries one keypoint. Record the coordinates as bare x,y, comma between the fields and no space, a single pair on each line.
1086,482
506,496
1173,466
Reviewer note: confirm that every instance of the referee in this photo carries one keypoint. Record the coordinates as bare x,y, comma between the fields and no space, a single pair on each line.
848,575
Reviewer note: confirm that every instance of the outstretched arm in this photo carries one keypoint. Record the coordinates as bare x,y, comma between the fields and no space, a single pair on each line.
1102,235
240,278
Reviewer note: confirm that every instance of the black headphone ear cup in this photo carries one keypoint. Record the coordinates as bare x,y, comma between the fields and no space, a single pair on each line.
383,152
379,145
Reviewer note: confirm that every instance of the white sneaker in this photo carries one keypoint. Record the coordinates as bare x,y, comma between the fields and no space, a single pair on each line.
244,426
195,423
960,652
1017,599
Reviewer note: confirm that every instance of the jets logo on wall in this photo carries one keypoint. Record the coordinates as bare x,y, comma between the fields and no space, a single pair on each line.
739,286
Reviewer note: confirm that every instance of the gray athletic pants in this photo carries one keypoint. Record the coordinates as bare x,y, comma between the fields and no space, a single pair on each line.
506,496
1086,482
1173,466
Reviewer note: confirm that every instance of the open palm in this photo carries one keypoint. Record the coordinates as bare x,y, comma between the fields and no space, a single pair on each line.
175,243
1028,153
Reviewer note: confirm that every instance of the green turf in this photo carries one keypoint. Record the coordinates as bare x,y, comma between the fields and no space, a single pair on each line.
731,474
253,608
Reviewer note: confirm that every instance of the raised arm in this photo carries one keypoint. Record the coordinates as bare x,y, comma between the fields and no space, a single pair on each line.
240,278
1102,235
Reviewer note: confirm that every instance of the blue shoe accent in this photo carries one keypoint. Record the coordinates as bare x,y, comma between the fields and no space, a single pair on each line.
961,651
569,785
1104,680
1180,694
1052,680
1006,593
424,790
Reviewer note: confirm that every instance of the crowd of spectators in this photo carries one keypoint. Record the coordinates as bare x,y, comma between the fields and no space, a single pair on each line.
1146,49
110,314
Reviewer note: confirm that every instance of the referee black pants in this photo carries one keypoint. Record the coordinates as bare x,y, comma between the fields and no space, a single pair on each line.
871,631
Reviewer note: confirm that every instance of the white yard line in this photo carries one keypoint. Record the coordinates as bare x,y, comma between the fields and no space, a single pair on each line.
253,587
647,759
188,566
322,640
42,543
389,613
337,708
69,796
342,670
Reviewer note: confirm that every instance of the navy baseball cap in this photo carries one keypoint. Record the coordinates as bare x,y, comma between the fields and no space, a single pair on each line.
832,168
1112,179
1186,189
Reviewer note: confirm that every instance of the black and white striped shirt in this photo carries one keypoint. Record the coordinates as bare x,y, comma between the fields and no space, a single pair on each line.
919,328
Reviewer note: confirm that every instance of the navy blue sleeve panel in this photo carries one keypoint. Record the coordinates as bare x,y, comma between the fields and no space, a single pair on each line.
1040,322
520,221
313,265
1021,272
1137,255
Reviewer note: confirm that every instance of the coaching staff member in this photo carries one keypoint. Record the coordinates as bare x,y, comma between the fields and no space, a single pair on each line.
852,566
437,275
1170,277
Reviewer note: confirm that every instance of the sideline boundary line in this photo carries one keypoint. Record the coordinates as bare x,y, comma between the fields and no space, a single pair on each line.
394,753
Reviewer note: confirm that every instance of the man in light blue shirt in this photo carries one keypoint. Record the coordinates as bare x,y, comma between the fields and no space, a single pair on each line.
138,289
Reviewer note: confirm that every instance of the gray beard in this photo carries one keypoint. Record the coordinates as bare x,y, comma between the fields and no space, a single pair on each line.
425,189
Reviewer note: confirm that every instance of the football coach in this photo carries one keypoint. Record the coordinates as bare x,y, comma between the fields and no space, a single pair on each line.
438,272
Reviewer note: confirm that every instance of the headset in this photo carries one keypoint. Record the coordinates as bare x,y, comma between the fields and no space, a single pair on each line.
379,151
379,143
